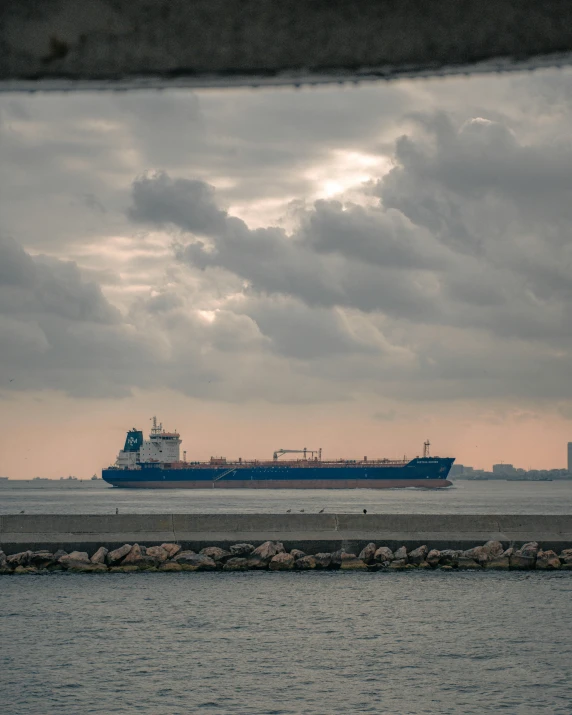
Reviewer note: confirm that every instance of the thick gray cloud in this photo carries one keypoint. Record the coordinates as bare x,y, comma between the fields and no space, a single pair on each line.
450,246
43,285
275,263
186,203
58,331
444,276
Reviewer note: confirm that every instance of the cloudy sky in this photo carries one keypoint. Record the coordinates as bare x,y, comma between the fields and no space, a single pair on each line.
352,268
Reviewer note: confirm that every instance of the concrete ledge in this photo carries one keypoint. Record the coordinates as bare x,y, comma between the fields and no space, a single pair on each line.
311,532
68,44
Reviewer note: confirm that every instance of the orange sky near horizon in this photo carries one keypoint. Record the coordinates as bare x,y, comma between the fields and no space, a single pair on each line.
86,435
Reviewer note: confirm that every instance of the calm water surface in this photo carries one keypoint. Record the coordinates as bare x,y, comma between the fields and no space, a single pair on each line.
301,643
491,497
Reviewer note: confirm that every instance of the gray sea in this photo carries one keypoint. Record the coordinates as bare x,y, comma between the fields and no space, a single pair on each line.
404,643
464,497
287,643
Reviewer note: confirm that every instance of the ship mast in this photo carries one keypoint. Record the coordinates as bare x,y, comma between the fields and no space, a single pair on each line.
426,446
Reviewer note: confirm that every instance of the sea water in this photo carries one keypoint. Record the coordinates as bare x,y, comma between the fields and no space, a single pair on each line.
464,497
259,643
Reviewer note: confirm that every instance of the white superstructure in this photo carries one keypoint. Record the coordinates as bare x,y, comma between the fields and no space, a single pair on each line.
161,446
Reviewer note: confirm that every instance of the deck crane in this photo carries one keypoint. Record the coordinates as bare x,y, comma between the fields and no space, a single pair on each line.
280,452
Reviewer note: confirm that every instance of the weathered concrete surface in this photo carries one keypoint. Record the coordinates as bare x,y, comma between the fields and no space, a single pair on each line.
47,44
309,532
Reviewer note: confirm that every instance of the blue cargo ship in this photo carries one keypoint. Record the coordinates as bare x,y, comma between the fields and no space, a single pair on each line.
155,464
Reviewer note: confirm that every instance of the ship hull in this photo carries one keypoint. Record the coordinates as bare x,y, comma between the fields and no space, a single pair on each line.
287,484
427,473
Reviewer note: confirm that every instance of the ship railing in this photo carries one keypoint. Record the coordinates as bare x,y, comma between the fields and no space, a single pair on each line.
291,463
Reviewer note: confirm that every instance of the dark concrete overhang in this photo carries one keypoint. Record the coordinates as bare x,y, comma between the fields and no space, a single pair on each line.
125,44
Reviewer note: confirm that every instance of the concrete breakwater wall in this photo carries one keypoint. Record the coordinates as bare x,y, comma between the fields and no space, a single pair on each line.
311,533
272,556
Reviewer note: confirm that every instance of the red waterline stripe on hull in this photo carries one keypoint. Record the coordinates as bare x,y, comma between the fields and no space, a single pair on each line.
292,484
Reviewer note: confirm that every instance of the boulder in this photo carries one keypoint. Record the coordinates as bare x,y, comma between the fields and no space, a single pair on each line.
352,563
464,562
449,557
99,556
170,566
383,555
22,558
446,567
547,560
25,570
323,560
531,548
215,553
190,561
268,550
137,556
566,556
236,563
305,562
433,557
400,554
493,549
282,562
398,564
115,556
184,555
520,562
4,566
75,559
256,562
41,559
297,554
55,565
501,562
424,565
477,553
81,567
336,558
157,555
525,557
171,549
128,568
241,549
418,555
367,554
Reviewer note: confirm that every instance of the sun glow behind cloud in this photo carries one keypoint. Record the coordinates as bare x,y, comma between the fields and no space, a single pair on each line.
345,170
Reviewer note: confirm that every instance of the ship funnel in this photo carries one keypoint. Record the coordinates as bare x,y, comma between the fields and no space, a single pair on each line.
133,441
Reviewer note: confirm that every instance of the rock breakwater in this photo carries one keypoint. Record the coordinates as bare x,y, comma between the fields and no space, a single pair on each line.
272,556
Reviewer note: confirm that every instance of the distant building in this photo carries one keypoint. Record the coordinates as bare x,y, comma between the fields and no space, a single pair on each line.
456,470
503,469
570,456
